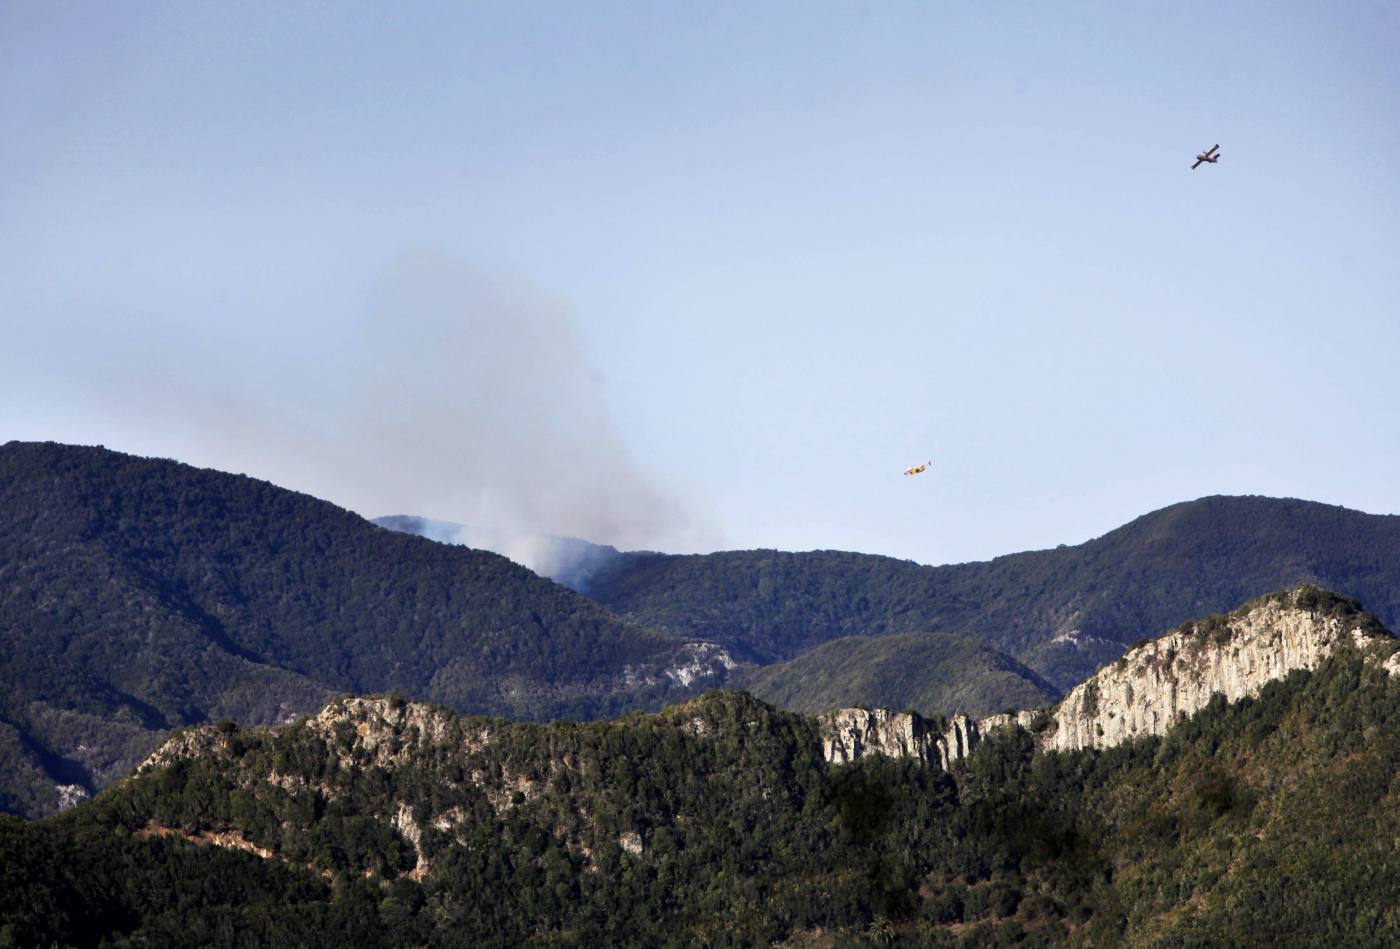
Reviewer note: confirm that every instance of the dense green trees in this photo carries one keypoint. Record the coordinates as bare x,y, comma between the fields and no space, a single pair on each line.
1063,612
1271,821
933,673
139,594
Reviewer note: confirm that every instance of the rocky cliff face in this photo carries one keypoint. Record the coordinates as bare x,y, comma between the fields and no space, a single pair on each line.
1163,681
854,733
1152,686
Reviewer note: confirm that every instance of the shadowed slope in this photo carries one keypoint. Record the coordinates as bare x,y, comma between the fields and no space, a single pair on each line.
137,594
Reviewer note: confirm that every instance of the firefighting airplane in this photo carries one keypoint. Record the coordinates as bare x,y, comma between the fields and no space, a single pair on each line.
917,469
1206,156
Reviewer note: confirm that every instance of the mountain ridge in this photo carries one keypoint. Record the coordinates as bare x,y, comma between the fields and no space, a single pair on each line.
1063,611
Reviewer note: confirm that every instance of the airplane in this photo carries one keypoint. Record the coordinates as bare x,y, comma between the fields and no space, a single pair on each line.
1207,156
917,469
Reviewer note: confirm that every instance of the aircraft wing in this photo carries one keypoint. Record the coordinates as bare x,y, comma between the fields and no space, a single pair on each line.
1198,164
1212,149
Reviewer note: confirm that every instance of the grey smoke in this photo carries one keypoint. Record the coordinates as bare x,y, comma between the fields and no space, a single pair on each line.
567,560
481,384
450,393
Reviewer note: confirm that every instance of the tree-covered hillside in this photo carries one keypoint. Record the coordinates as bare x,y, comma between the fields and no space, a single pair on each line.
1268,822
139,594
1063,612
931,673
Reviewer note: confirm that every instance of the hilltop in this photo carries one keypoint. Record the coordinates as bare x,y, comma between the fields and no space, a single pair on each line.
932,673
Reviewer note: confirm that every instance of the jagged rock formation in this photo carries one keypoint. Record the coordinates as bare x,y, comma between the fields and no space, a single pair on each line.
958,741
1153,685
186,743
699,661
853,733
388,731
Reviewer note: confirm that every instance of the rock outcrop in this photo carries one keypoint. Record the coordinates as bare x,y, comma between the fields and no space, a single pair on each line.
855,733
387,730
1158,683
957,742
206,741
1152,686
699,661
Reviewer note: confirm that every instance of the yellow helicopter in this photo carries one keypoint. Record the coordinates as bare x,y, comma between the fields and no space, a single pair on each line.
917,469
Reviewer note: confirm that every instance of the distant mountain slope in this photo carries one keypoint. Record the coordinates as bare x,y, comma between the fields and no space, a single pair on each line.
139,594
931,673
934,673
566,560
1063,612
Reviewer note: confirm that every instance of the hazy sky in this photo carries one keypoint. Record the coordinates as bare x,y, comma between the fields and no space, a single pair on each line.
711,275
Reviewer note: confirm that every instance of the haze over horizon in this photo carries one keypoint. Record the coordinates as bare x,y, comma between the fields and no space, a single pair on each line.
711,278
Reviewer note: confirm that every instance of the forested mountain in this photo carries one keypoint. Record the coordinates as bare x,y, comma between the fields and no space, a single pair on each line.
1062,612
722,821
931,673
139,594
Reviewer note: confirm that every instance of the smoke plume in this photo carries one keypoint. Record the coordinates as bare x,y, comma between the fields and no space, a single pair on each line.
478,393
451,394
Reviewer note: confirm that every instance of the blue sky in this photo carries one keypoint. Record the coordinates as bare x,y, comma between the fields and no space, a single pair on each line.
711,275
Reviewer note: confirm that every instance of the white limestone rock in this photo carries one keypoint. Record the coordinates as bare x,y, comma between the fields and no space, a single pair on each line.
1163,681
1145,692
854,733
